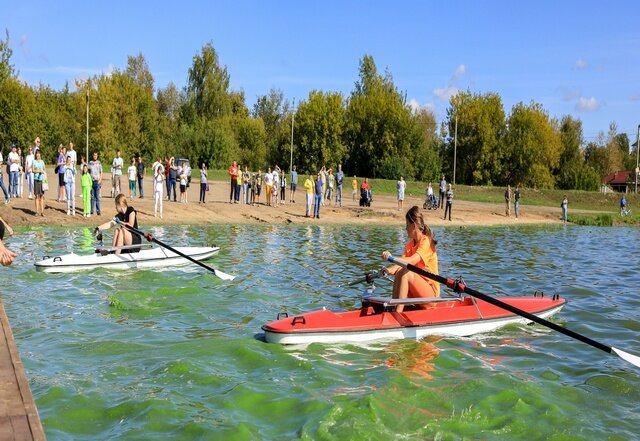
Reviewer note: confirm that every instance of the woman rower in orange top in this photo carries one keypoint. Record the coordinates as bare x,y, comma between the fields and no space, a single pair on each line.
419,251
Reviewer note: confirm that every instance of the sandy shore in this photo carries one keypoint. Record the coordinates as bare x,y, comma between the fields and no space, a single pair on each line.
21,211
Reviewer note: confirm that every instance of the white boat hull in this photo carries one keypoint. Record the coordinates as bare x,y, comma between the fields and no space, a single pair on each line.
459,329
150,258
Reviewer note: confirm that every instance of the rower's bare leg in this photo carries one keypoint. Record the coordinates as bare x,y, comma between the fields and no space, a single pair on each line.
118,240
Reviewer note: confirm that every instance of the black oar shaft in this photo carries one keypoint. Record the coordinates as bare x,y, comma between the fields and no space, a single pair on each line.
150,238
458,286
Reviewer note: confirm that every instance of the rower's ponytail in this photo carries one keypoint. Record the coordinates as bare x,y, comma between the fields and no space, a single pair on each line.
414,216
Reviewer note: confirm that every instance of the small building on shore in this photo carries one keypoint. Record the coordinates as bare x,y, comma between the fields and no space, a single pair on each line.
622,181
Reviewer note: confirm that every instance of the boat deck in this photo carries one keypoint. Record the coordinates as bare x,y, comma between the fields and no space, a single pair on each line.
19,418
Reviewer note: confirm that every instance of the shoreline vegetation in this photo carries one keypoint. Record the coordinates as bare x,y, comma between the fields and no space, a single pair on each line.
473,206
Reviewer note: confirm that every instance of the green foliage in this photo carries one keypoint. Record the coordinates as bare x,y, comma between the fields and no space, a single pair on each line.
373,132
480,124
319,124
533,147
207,89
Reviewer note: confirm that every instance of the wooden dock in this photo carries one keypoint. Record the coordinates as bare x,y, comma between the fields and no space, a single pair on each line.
19,418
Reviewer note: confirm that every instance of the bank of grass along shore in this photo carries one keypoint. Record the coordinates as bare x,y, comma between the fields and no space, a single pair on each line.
473,206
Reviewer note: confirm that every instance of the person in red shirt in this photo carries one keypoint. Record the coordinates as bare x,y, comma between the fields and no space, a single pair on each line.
233,173
419,251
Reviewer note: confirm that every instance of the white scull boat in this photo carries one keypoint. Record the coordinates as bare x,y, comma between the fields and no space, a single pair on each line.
149,258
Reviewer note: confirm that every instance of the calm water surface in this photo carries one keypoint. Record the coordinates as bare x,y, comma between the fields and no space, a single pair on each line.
173,354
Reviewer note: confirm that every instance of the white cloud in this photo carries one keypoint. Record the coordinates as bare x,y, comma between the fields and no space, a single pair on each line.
569,93
634,98
416,106
588,104
460,71
445,93
451,90
581,64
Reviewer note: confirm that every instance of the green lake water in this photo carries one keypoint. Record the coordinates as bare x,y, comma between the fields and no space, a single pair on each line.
176,353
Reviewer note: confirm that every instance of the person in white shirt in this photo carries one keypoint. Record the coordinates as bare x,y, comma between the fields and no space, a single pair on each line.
132,171
158,177
28,166
268,184
71,153
117,166
14,171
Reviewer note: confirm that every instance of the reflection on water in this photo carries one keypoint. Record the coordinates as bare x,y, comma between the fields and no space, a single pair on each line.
172,353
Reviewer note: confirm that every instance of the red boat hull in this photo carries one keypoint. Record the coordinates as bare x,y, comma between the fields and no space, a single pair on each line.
457,317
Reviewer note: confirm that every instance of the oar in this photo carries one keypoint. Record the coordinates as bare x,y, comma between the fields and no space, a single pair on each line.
368,278
459,286
150,238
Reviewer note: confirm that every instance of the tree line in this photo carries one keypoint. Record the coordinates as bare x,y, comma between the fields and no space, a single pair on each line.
373,131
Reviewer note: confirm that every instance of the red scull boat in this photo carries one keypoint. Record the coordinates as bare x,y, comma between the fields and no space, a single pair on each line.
376,319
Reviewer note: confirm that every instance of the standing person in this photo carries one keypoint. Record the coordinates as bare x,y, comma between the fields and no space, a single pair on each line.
173,175
268,182
167,167
70,186
28,167
421,252
132,173
258,185
443,189
60,166
339,183
246,177
233,174
95,169
354,188
402,185
309,187
565,207
283,188
71,152
331,182
20,173
253,184
118,165
140,174
14,171
86,183
449,196
516,201
507,201
238,186
294,185
158,177
184,179
7,197
323,179
274,187
318,197
123,236
39,174
204,186
186,169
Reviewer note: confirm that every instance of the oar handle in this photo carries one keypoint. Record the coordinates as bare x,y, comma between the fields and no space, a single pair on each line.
460,287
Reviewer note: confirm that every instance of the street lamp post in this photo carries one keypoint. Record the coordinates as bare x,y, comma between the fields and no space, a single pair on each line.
293,117
455,147
87,157
637,151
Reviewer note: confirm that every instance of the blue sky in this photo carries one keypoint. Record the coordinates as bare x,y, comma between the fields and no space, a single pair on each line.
580,58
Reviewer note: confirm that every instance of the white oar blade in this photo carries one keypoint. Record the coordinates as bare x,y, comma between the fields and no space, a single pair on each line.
633,359
224,276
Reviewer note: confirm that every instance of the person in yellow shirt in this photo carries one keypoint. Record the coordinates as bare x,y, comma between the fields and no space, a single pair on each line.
419,251
309,186
354,188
